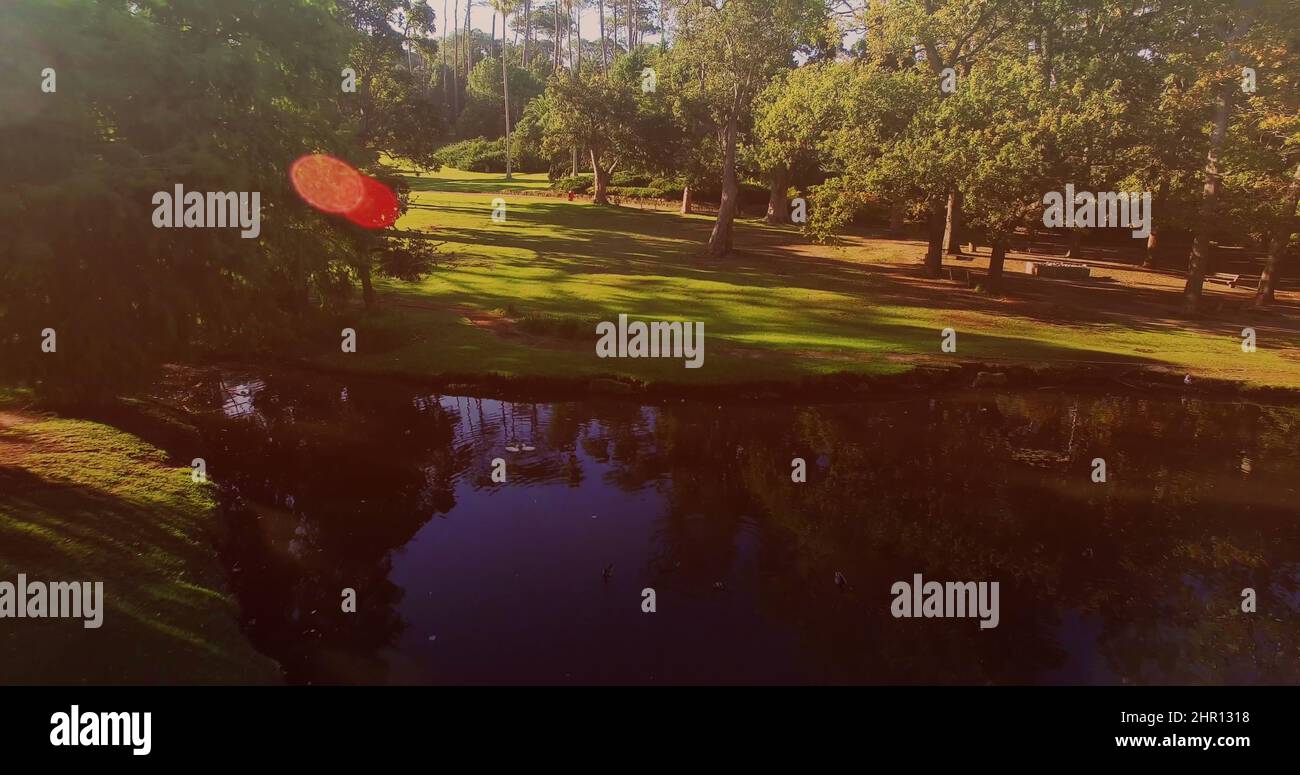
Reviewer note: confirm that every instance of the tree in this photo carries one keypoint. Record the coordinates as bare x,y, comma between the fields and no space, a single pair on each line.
941,35
505,7
483,98
595,113
1225,70
392,109
528,30
1002,142
604,56
886,146
1279,241
737,46
791,118
148,112
1263,147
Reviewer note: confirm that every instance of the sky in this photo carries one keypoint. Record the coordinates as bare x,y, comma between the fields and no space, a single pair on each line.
480,18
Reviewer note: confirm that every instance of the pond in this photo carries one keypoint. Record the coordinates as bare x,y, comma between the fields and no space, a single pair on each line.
370,485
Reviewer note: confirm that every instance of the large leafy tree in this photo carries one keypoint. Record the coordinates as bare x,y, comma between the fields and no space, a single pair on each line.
213,97
393,108
1263,150
484,98
1001,145
791,119
595,113
737,46
886,147
938,36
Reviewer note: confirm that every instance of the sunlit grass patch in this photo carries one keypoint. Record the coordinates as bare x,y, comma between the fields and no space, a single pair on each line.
80,501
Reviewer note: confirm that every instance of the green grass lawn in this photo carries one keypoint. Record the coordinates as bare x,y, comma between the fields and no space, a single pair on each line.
780,308
80,501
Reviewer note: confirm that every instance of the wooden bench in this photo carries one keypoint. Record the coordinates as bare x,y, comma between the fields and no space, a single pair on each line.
1060,269
1219,278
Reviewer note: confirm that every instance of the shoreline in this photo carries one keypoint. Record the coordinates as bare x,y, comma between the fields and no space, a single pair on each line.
102,495
838,387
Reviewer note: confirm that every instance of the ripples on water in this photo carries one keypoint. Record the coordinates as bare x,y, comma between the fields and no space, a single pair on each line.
374,486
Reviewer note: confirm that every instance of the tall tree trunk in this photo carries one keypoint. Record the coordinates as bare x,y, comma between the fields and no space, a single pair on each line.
604,61
952,226
997,259
442,50
455,62
1277,248
469,47
1153,239
720,239
568,31
505,90
778,204
367,290
631,16
406,44
1200,258
577,34
1153,248
600,180
934,243
528,30
555,64
686,200
663,28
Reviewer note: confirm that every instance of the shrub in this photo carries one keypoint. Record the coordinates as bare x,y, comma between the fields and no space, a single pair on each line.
668,188
629,179
637,192
558,326
474,155
580,184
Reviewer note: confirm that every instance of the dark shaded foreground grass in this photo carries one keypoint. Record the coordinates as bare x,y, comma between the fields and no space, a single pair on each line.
779,308
81,501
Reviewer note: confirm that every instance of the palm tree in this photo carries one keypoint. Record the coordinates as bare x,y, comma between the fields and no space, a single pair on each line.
505,7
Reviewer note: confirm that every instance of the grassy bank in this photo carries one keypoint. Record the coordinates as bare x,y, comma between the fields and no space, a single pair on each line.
521,298
81,501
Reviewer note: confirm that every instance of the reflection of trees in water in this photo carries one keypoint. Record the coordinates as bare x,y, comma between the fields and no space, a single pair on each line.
1160,553
1200,503
996,489
326,487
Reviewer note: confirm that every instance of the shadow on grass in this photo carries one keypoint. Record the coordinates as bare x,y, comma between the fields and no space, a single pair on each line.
486,185
131,525
778,291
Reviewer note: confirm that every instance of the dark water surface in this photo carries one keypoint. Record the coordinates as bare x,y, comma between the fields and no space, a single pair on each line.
371,485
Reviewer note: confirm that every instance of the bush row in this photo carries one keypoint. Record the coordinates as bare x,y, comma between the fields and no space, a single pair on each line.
479,154
644,187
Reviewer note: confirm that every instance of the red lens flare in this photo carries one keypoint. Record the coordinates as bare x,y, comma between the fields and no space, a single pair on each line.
327,183
334,186
378,208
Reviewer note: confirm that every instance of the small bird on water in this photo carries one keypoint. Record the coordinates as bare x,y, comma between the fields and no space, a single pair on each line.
840,581
608,573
